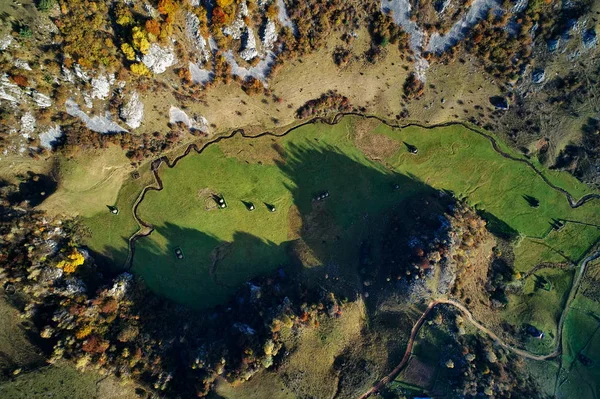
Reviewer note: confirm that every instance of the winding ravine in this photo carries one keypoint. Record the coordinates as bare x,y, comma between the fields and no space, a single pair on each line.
147,228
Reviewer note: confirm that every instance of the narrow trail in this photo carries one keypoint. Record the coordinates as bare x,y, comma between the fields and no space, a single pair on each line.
147,228
523,353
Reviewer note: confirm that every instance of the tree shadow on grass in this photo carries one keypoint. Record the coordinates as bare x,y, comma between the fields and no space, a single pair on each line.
344,231
210,270
362,196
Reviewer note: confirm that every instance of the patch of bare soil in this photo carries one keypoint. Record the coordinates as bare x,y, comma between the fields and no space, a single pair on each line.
206,195
294,223
375,146
418,373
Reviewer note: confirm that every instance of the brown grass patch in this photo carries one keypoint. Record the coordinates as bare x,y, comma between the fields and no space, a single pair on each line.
294,223
309,372
375,146
206,196
304,254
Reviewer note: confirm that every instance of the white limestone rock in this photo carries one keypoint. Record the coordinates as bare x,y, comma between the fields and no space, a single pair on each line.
5,42
177,115
249,51
100,87
41,100
269,36
132,112
10,91
193,31
50,136
260,71
236,28
158,58
284,17
21,64
100,124
28,123
200,75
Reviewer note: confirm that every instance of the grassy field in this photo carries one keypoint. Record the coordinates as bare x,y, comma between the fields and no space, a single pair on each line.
37,379
63,381
453,158
539,307
223,248
16,351
577,239
88,181
264,385
581,337
580,371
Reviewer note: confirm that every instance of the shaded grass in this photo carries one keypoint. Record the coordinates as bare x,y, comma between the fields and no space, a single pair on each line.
225,247
16,351
263,385
581,334
544,373
181,219
539,307
453,158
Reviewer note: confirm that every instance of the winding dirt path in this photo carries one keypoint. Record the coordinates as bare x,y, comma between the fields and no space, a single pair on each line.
147,228
523,353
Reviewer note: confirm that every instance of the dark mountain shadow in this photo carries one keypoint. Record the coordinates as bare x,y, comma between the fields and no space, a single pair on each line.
34,189
361,197
209,270
364,221
498,227
346,231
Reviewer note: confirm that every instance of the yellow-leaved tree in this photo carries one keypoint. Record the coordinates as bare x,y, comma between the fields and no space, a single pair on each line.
140,41
128,51
140,69
74,260
224,3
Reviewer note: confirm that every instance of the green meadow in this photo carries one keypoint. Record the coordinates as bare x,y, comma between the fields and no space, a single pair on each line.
224,248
